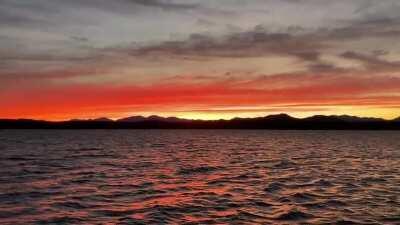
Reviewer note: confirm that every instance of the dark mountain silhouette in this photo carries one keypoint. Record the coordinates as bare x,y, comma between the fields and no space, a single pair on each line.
150,118
359,119
342,118
103,119
279,121
133,119
100,119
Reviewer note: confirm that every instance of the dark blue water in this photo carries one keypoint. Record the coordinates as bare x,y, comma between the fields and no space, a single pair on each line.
199,177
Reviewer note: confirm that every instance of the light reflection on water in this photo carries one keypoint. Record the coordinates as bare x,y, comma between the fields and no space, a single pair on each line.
199,177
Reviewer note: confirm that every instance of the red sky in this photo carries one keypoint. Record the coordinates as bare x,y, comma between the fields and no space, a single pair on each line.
299,95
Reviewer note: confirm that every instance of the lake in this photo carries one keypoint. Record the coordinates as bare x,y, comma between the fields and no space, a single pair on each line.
199,177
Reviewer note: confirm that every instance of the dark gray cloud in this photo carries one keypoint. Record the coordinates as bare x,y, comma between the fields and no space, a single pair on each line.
306,44
256,42
382,27
25,14
372,62
69,31
165,4
324,67
205,23
49,13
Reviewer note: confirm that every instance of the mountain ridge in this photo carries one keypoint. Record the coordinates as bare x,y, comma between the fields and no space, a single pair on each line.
276,121
281,116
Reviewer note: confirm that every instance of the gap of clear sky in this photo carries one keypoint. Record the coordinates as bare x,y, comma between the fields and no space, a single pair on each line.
205,59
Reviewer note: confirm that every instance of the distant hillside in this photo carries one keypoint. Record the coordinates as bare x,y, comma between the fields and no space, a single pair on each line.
279,121
150,118
103,119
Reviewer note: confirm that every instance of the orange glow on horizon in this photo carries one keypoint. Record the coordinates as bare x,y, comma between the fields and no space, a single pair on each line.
385,113
220,99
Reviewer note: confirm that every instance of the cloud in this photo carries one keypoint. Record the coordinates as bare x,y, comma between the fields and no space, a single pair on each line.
296,40
205,23
323,67
372,62
256,42
165,5
306,44
79,39
382,27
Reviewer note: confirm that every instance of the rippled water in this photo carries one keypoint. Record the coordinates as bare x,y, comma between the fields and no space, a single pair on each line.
199,177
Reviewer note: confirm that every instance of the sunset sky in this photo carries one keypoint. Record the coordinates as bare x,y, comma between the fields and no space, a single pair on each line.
208,59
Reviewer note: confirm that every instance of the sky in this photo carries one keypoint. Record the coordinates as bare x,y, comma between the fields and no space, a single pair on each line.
199,59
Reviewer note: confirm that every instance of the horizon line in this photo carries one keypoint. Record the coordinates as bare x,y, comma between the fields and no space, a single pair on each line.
177,117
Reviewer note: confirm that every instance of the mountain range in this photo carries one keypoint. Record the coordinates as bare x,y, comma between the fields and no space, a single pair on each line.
279,121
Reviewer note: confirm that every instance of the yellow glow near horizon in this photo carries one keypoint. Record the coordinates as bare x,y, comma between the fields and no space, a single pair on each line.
388,112
385,113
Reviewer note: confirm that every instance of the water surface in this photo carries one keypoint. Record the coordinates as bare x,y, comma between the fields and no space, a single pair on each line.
199,177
